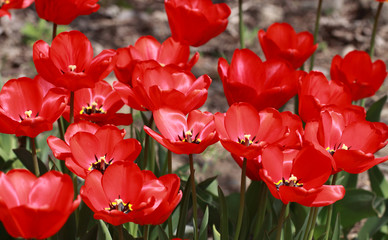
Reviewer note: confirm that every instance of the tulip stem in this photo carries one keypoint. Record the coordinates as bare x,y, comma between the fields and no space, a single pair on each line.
169,166
374,31
330,212
71,107
121,233
132,135
34,157
241,23
54,30
147,144
194,196
308,234
317,20
280,221
145,232
262,206
242,199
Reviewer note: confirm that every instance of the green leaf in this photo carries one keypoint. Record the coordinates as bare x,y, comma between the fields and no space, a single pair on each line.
358,204
203,229
103,231
162,234
216,234
378,182
85,215
337,228
91,234
184,205
25,157
224,215
374,112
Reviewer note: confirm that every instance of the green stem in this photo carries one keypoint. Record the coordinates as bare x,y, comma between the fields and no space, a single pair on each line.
262,206
169,163
147,144
374,31
54,31
280,222
241,23
71,107
330,212
145,232
60,128
194,196
242,199
315,213
121,233
309,222
316,30
34,157
132,134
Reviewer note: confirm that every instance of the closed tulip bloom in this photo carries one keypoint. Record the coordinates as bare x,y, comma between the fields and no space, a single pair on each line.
181,134
195,22
281,41
32,207
124,193
25,110
262,84
65,11
69,62
299,176
169,52
358,73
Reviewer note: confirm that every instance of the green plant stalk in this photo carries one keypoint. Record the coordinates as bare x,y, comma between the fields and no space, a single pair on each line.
145,232
330,212
262,206
34,157
309,222
194,196
147,144
242,199
241,24
315,213
169,163
374,31
120,230
132,134
71,107
316,30
280,222
54,30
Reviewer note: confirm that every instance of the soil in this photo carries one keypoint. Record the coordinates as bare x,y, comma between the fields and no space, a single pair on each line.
345,25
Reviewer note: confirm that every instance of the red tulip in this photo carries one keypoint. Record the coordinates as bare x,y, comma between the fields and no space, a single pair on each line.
148,48
5,5
315,92
25,110
262,84
61,149
298,176
245,132
69,62
65,11
99,105
154,87
357,71
184,136
126,194
350,140
195,22
281,41
32,207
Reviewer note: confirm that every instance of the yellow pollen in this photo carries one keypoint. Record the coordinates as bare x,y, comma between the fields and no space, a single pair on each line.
99,161
72,67
28,113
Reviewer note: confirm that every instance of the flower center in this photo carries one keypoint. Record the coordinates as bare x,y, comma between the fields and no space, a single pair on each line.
332,150
27,114
100,164
188,137
72,68
119,204
246,140
90,109
291,182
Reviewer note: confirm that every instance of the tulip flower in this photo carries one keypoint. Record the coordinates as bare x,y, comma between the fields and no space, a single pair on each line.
5,5
262,84
99,105
154,87
26,111
350,140
315,92
245,132
298,176
90,151
65,11
281,41
32,207
124,193
69,62
184,136
357,71
195,22
148,48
